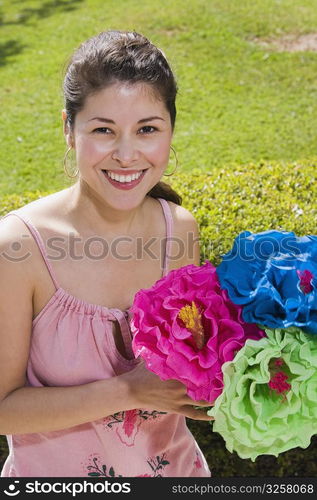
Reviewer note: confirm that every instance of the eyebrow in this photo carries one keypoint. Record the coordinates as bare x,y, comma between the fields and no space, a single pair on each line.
143,120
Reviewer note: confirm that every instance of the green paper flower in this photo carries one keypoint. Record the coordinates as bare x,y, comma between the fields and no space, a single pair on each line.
269,401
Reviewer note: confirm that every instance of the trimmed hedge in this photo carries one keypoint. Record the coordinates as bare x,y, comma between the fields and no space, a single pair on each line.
249,197
226,202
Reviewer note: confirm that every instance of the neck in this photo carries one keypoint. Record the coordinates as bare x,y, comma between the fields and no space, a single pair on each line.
93,214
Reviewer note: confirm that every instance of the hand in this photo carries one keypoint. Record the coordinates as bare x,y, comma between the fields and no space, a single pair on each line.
147,390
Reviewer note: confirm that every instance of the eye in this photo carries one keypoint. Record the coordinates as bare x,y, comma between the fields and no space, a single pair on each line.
147,129
102,130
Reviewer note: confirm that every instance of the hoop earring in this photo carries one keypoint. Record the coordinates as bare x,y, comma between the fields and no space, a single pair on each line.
176,163
75,173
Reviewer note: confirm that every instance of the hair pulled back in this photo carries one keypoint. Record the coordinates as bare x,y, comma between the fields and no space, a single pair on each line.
120,56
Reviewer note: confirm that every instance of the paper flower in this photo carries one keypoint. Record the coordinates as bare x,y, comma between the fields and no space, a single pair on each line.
269,401
185,327
273,275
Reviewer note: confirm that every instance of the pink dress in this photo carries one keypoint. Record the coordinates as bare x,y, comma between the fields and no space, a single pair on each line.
72,344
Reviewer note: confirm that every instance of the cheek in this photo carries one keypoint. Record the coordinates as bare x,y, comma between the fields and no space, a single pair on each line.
87,148
159,152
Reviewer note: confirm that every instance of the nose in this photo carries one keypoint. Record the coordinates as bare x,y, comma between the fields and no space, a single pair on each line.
125,152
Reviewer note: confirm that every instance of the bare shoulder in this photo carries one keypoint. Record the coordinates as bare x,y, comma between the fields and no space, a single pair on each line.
183,220
182,214
18,254
45,208
185,234
18,250
14,239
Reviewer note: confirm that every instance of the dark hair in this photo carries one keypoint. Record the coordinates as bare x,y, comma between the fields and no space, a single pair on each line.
113,56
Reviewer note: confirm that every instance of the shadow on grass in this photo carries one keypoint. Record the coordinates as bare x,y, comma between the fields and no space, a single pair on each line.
4,451
8,49
296,462
44,10
30,15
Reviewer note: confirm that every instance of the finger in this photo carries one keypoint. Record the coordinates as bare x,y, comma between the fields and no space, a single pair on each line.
189,401
200,416
204,404
190,412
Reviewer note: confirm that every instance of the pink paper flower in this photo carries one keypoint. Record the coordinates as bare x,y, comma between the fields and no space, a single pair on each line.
185,327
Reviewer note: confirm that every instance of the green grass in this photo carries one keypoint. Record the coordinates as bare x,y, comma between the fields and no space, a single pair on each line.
237,103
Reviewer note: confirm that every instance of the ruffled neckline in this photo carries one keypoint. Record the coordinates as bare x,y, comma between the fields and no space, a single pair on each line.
66,299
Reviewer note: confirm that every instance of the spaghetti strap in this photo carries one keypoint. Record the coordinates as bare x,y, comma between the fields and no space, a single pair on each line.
38,238
169,232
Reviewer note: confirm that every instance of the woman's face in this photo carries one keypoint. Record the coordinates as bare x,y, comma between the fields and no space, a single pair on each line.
123,130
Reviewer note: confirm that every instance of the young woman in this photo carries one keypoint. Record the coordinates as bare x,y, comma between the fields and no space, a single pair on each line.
74,400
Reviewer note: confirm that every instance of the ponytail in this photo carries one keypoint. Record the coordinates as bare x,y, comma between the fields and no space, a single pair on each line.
163,190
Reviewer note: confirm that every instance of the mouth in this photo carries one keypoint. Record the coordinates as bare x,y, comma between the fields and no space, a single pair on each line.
124,181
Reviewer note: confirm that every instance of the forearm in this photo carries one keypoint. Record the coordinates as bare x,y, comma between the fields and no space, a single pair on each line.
45,409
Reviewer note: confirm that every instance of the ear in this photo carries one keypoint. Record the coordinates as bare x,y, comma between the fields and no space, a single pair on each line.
67,130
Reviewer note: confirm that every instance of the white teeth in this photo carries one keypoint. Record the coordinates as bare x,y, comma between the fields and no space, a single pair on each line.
124,178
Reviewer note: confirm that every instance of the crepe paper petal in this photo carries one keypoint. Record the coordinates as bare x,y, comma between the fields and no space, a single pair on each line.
269,400
185,327
273,275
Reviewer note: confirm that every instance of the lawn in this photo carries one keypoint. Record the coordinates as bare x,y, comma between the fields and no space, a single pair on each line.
238,101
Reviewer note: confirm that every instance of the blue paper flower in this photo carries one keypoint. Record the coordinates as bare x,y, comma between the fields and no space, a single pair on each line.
273,274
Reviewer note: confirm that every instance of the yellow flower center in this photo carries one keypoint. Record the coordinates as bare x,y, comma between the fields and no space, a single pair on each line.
191,317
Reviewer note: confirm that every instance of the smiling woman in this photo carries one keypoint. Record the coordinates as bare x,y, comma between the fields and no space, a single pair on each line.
74,401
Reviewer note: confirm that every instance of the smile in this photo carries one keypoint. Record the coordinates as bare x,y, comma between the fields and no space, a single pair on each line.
124,178
124,181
